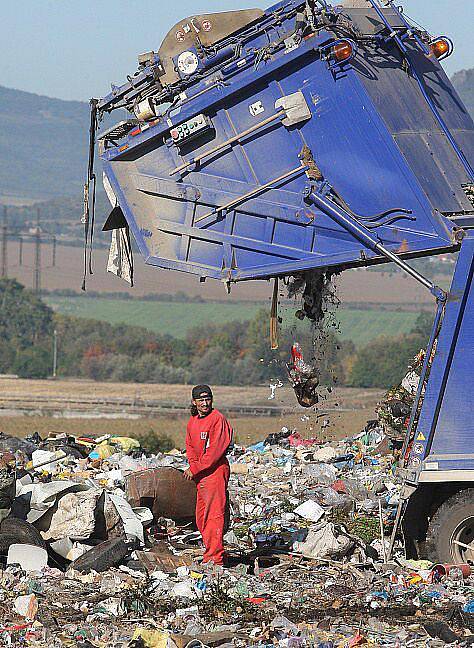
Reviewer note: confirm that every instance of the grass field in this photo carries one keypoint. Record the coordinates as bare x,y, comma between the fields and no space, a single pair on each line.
360,326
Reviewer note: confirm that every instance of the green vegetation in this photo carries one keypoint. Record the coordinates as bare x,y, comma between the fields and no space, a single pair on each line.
156,442
384,361
363,326
26,323
232,352
178,318
362,526
159,317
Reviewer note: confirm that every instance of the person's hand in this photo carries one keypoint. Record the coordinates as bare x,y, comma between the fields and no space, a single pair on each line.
188,474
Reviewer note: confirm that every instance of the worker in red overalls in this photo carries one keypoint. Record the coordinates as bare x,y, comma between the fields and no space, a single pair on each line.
208,437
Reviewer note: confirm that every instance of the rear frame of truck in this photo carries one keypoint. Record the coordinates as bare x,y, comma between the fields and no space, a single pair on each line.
438,454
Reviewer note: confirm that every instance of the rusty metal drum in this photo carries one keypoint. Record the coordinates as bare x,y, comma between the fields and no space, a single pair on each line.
165,491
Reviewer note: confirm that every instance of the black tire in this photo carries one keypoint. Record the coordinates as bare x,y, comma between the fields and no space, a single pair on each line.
441,630
105,555
22,531
72,451
453,522
5,542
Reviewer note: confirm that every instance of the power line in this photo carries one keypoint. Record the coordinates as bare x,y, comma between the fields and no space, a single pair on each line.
38,236
5,242
37,274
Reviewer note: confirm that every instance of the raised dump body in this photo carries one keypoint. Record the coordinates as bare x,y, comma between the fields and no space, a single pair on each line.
265,144
251,127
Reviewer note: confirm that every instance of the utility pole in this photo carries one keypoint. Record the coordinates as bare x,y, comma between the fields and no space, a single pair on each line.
5,243
37,235
55,353
37,268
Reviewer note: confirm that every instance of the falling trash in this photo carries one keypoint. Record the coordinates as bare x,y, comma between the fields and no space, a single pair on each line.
303,378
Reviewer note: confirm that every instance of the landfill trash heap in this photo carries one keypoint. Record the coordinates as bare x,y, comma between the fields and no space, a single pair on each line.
89,565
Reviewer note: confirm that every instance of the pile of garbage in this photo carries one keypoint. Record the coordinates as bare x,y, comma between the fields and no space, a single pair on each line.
395,408
98,548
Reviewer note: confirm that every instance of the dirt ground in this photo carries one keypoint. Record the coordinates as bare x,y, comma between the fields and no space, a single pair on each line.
345,410
223,395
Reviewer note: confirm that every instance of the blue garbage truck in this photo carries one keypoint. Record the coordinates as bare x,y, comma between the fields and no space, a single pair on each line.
311,138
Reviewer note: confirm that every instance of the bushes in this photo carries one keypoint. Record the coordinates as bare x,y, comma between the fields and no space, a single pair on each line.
384,362
236,353
33,363
26,327
155,442
149,369
7,356
24,318
122,368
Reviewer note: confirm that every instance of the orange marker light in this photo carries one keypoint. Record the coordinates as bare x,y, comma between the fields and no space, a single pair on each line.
342,51
440,48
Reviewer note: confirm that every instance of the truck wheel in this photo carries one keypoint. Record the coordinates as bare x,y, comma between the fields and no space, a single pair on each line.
450,537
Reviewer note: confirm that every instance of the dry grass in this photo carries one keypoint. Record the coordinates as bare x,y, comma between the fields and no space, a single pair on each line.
350,409
247,430
224,396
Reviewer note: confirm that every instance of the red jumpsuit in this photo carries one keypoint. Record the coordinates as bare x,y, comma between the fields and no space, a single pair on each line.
207,441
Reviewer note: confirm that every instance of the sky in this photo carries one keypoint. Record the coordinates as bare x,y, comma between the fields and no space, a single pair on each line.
74,49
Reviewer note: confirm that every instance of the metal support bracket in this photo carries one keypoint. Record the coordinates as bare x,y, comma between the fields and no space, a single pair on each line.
224,209
341,216
406,492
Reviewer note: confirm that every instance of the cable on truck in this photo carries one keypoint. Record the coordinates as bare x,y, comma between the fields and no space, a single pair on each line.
89,197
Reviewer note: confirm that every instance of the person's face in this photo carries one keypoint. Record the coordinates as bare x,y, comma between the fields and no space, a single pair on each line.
203,405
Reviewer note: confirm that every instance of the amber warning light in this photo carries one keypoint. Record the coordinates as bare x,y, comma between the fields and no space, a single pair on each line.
441,48
342,51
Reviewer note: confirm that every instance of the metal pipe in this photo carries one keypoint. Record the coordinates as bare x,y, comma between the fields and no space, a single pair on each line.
393,32
344,219
55,353
407,491
231,140
5,243
424,371
407,268
251,194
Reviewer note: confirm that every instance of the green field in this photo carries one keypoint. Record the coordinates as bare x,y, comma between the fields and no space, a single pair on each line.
175,318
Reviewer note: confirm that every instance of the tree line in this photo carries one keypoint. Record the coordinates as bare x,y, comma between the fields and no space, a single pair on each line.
235,353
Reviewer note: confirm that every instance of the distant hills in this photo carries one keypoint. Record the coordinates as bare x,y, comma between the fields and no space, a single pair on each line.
463,81
43,147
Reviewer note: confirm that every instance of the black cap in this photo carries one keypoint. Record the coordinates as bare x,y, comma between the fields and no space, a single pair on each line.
201,391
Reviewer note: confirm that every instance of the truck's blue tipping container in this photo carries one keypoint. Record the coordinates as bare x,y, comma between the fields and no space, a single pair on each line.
242,114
